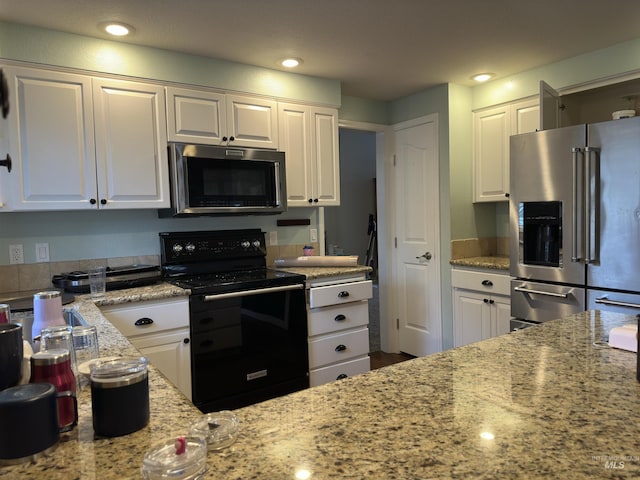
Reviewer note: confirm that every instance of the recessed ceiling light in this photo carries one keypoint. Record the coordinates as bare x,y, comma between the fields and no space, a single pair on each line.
117,29
483,77
291,62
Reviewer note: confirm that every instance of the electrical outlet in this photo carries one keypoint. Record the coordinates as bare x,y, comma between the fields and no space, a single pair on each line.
313,235
16,254
273,238
42,252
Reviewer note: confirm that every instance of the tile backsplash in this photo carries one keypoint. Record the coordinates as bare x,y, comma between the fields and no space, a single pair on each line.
480,247
37,276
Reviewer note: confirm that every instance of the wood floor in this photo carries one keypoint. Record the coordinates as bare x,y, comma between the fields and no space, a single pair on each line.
382,359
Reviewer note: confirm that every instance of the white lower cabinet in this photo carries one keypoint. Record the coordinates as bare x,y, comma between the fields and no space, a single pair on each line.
338,319
481,305
160,330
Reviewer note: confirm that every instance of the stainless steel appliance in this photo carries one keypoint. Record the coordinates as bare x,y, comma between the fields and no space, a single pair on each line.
215,180
248,323
574,211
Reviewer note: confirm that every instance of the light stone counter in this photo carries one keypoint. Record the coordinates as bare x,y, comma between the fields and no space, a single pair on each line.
315,273
557,402
492,263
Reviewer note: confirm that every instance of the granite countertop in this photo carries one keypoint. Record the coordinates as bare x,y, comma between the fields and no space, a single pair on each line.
558,402
315,273
492,263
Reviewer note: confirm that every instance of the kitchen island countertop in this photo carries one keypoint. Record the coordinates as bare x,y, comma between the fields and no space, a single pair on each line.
551,401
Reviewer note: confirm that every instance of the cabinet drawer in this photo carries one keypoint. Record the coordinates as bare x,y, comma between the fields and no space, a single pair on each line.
481,281
340,293
338,348
166,315
334,372
340,317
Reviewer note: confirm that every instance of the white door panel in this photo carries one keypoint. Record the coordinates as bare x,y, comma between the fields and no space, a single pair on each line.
417,230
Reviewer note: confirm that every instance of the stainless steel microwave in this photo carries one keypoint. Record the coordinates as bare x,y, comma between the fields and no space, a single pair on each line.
219,180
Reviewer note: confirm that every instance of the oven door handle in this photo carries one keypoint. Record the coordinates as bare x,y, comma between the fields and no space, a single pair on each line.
259,291
541,292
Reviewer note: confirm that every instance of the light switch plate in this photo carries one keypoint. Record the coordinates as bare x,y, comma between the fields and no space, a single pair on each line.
273,238
42,252
313,235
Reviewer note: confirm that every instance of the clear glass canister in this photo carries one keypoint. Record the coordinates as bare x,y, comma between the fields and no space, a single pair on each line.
119,396
184,458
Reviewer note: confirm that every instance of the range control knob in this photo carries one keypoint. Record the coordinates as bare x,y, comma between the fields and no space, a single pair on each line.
177,248
245,244
190,247
256,243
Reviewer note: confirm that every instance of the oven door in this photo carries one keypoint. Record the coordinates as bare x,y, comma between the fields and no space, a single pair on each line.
248,346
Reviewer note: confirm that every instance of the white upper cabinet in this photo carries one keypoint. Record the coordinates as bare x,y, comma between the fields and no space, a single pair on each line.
65,161
309,138
491,131
203,116
252,122
196,116
131,144
51,140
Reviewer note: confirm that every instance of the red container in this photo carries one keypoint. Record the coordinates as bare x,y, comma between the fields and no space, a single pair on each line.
54,366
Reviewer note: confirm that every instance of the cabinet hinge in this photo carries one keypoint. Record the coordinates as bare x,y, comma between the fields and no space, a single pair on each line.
394,159
395,242
397,324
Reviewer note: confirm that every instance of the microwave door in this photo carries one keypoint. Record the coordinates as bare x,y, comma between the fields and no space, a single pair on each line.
545,220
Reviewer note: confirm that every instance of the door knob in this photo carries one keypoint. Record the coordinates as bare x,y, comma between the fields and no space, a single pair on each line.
425,255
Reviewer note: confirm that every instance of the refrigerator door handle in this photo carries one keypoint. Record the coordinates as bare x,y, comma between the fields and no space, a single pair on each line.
541,292
615,303
591,199
577,225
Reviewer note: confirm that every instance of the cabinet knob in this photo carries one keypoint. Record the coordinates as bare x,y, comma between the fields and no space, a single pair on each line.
92,201
487,283
311,200
343,294
340,318
143,321
6,163
186,341
315,200
342,376
485,300
103,201
340,348
492,302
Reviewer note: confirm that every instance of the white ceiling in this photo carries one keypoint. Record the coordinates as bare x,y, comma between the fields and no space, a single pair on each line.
378,49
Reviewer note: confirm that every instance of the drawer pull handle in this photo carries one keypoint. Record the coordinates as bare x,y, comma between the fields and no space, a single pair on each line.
342,376
341,348
343,294
487,283
340,318
143,321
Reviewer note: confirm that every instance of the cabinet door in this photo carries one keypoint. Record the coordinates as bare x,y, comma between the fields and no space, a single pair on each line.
169,352
253,122
501,315
491,130
525,117
294,126
51,140
131,144
471,317
326,156
196,116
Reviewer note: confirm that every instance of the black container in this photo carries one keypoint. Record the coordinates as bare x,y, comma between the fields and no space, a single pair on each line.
119,396
28,420
11,353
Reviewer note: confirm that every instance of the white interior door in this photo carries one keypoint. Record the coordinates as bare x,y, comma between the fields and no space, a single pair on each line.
417,233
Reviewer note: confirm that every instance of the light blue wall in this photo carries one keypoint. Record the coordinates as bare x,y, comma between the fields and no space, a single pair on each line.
37,45
620,59
357,109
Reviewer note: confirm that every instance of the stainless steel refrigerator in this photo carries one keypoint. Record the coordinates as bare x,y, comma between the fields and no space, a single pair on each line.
574,214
